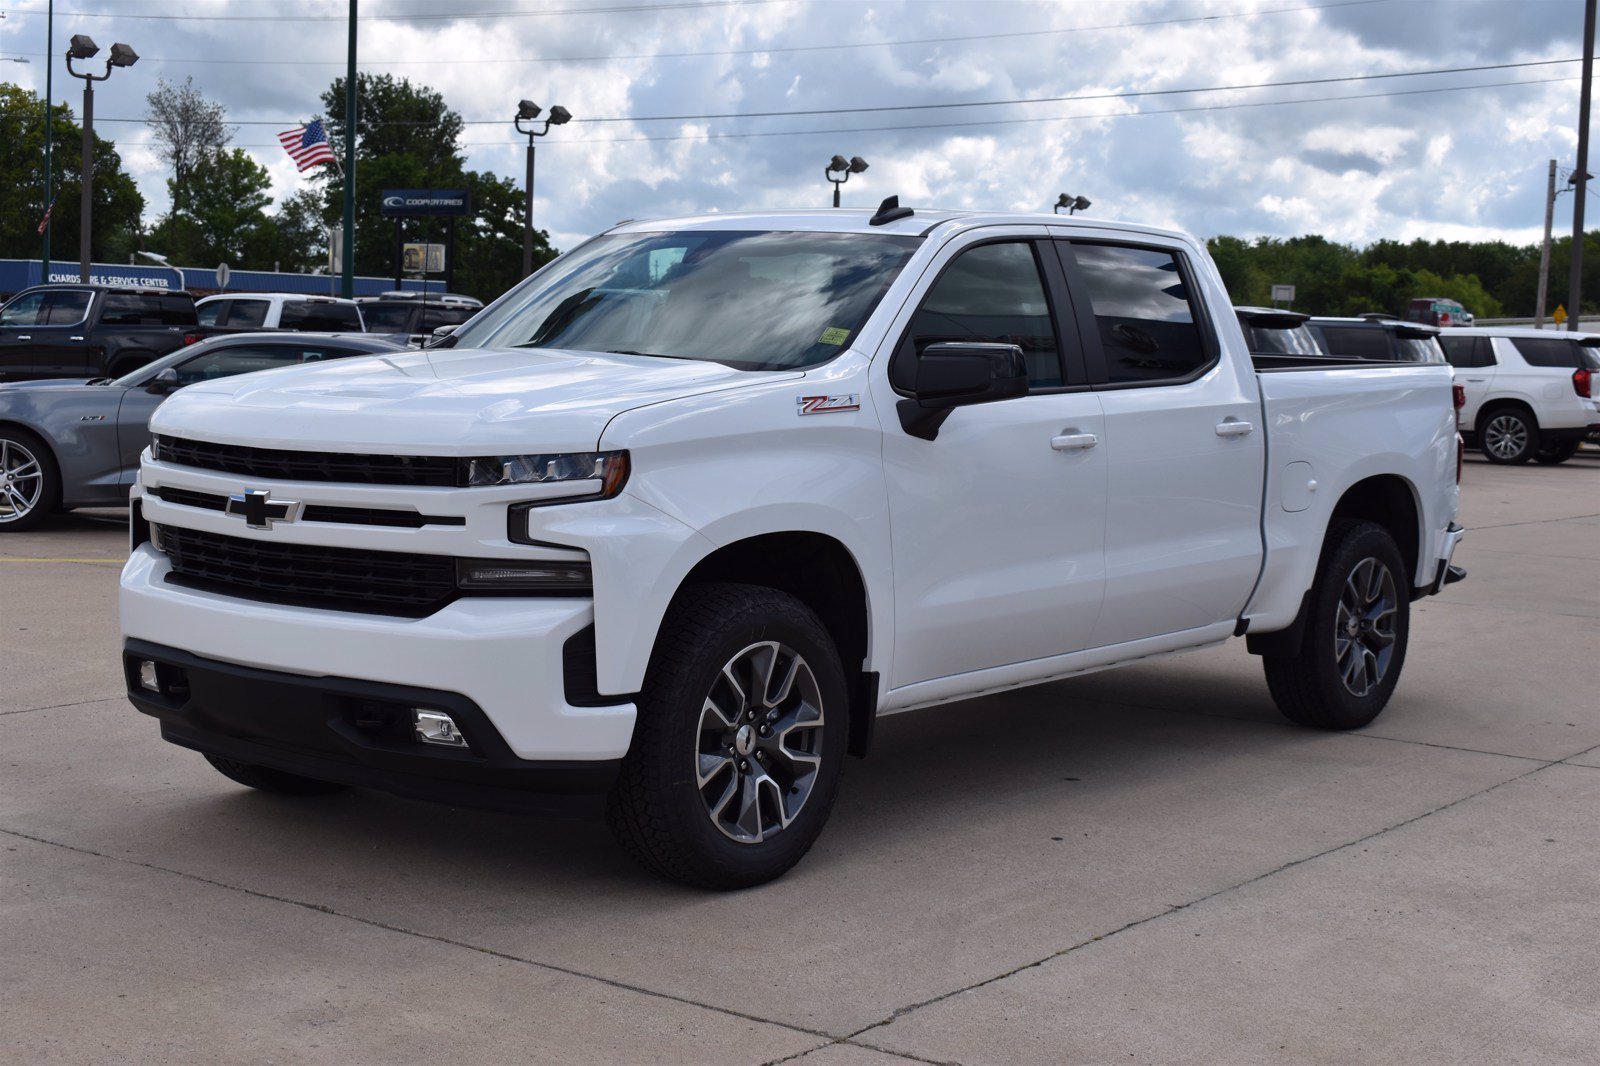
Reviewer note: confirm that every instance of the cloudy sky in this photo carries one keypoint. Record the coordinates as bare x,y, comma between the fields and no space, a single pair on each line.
903,83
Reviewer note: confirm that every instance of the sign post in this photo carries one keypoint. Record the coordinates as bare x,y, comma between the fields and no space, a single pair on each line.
1285,293
449,204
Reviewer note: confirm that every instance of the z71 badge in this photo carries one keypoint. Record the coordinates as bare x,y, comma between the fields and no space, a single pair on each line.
821,405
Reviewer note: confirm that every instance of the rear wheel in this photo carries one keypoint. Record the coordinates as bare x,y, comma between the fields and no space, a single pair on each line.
1509,435
30,483
1557,451
739,746
269,780
1353,639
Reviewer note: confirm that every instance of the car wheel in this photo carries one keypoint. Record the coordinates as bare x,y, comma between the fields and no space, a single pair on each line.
1556,451
1353,638
269,780
1509,435
30,481
739,745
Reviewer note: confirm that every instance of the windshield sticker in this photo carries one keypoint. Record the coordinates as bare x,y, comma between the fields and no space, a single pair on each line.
835,335
821,405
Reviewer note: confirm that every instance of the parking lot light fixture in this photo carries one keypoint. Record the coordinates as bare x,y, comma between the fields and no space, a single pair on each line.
1071,203
529,112
844,168
82,47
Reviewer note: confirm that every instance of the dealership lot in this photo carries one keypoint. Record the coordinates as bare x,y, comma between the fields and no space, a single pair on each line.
1145,865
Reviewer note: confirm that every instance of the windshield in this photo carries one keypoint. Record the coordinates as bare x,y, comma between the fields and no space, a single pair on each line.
755,300
1296,341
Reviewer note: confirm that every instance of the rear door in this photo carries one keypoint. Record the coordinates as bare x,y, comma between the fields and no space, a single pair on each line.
19,321
1473,358
1185,443
54,344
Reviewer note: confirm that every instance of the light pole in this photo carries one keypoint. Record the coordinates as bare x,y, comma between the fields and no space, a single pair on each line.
528,111
1073,204
81,47
846,167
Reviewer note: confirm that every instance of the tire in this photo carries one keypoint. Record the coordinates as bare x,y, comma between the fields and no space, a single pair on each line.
30,481
269,780
1332,681
1508,435
1552,452
696,749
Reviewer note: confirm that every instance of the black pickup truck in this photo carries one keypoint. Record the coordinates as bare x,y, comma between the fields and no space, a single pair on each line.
90,331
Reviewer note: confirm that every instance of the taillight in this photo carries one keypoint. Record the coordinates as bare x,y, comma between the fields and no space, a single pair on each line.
1459,394
1580,382
190,338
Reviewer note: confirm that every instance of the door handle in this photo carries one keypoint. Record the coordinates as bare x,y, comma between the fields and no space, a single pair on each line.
1233,428
1074,442
1477,380
74,338
24,338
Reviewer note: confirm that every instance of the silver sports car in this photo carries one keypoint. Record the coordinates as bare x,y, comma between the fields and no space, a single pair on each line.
76,443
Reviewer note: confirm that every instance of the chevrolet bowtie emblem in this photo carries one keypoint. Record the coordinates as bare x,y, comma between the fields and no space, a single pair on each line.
259,510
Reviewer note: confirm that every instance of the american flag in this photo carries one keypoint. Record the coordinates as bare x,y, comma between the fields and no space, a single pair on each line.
307,145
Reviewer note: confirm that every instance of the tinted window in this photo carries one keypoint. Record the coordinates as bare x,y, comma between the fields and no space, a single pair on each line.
315,315
1147,326
434,317
1468,352
244,359
210,313
23,311
248,314
1353,342
388,318
146,309
1418,349
991,293
1297,341
66,308
1547,351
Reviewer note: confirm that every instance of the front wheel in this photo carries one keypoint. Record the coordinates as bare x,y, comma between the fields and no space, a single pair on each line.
739,746
1509,435
1353,641
1556,451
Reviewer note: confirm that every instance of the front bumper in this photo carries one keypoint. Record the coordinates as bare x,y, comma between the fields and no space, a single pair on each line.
352,732
503,655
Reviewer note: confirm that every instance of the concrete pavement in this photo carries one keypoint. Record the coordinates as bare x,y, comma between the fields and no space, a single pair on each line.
1147,865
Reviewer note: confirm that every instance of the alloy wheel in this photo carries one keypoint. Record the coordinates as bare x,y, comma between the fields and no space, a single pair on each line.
1363,631
1506,436
21,481
759,743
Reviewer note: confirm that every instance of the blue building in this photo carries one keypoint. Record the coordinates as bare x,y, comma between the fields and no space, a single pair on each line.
18,274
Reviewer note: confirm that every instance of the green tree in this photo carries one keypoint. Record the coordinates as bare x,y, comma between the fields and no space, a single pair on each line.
117,203
227,210
187,129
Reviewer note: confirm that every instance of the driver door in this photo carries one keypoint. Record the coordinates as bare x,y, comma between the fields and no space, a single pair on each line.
997,524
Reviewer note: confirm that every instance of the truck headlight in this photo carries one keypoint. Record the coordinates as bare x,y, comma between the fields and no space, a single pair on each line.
609,470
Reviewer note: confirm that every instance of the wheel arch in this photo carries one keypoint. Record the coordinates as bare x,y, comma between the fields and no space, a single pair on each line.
1391,501
1500,403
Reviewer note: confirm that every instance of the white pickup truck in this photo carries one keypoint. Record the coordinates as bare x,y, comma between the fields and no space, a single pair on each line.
676,519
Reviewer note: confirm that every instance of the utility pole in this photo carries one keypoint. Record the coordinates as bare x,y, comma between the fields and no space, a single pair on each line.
1544,255
49,133
1581,178
347,266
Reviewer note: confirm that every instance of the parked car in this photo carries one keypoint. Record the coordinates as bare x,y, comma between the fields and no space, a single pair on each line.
65,331
413,320
704,498
1529,393
1438,311
1274,331
1376,337
66,444
281,310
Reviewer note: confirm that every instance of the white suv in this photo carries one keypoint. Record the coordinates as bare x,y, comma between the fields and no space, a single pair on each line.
1530,393
281,310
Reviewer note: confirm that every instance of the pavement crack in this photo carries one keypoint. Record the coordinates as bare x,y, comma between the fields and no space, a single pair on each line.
436,938
60,706
1174,908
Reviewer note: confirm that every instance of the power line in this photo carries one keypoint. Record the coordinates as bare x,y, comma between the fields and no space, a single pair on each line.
966,38
1081,98
427,17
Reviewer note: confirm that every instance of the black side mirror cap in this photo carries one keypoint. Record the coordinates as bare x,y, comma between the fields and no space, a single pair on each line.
164,382
950,375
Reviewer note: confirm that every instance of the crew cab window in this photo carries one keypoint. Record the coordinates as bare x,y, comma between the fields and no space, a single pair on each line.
316,315
146,309
245,359
65,307
393,317
247,314
1548,351
1353,342
1144,312
992,293
1465,353
210,313
23,311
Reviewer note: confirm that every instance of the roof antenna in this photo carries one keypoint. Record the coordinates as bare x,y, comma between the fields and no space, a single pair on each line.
890,211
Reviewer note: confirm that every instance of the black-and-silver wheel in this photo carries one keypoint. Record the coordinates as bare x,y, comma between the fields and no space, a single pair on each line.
1350,644
757,750
738,748
1509,435
1363,629
30,487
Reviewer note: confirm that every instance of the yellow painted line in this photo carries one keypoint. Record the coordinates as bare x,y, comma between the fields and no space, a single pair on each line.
24,559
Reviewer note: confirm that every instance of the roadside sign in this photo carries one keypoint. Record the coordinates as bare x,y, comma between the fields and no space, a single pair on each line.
1284,293
1561,314
223,273
427,258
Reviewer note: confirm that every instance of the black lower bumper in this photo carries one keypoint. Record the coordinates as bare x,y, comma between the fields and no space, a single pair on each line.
353,732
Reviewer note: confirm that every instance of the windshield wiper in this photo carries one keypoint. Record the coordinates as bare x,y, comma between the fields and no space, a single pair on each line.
648,355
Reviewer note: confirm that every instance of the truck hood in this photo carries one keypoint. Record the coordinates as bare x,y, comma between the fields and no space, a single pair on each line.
442,402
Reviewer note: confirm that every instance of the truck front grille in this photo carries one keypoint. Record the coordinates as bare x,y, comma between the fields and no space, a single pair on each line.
369,582
311,466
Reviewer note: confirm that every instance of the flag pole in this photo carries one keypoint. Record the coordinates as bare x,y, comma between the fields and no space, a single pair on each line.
348,267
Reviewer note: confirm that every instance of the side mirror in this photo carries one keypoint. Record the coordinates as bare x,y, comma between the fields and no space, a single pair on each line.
164,382
950,375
